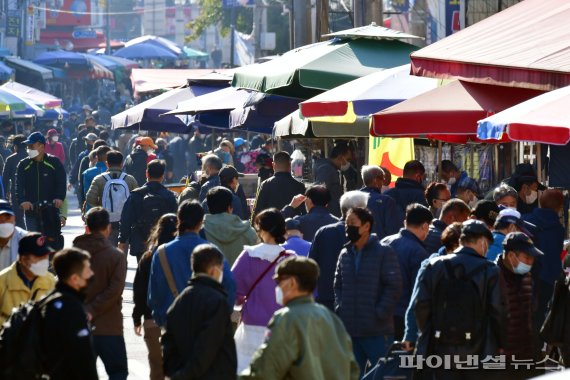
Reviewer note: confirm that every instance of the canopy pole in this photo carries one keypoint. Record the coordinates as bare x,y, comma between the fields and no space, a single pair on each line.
440,157
496,162
539,162
213,139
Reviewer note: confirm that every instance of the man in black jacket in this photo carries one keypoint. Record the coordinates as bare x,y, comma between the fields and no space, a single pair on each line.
41,190
198,342
326,172
135,164
277,191
9,175
143,208
66,334
211,166
409,188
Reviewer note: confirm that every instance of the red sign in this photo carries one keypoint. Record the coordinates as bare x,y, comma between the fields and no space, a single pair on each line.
68,12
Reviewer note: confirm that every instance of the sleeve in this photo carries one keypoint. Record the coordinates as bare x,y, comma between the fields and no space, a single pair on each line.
126,220
392,217
7,174
279,352
422,304
260,201
288,212
21,184
390,282
411,326
242,281
140,288
338,283
93,196
229,285
156,290
108,297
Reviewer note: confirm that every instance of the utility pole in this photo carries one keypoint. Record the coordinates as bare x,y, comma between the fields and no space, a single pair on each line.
291,24
321,19
302,22
233,32
359,16
107,29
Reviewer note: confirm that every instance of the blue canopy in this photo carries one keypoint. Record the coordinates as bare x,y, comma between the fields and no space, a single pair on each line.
5,71
55,114
61,58
145,50
105,62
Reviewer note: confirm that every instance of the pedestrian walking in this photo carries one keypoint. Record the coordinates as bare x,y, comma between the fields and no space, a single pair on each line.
294,236
10,235
327,172
454,210
9,175
136,162
509,220
198,340
54,147
437,194
409,188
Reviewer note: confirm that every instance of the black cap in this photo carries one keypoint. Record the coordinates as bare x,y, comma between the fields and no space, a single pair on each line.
34,243
229,172
6,207
475,229
487,211
299,266
520,242
292,224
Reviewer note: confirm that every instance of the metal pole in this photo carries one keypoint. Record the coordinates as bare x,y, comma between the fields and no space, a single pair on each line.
539,162
107,29
233,37
440,156
291,24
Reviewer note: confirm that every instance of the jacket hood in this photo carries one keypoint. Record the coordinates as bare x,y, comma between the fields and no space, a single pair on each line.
546,218
225,227
406,183
92,243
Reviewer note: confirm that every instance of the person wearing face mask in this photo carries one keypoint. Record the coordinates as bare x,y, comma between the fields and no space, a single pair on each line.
458,305
408,244
69,353
136,162
327,172
211,166
367,286
468,191
103,297
28,277
508,220
528,187
223,227
10,235
312,357
198,341
452,176
505,196
229,178
54,147
516,285
455,210
437,194
41,190
9,174
316,200
409,188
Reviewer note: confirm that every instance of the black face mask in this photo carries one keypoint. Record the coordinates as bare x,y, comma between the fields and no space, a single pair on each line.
352,233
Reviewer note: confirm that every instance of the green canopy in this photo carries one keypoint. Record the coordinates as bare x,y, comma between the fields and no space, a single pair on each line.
195,54
312,69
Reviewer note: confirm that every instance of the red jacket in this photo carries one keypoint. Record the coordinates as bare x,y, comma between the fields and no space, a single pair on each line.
56,149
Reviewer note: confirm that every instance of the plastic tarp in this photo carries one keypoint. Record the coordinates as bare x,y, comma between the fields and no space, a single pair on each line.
38,97
526,45
21,64
149,80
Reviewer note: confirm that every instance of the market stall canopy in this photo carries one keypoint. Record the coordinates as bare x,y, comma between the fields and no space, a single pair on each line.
160,41
126,63
146,115
544,119
195,54
448,113
28,67
526,45
309,70
364,96
261,111
6,72
38,97
62,58
225,99
145,51
149,80
14,106
295,125
373,31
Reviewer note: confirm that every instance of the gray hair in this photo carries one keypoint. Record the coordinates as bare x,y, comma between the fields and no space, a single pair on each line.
353,199
370,173
212,161
503,191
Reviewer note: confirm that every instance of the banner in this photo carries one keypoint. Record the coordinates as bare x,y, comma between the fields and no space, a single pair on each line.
391,153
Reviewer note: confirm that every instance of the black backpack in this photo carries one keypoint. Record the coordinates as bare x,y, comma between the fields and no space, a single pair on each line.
21,355
152,208
459,308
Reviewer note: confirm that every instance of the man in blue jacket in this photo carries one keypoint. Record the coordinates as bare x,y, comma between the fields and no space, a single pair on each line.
409,247
409,188
455,210
387,218
178,253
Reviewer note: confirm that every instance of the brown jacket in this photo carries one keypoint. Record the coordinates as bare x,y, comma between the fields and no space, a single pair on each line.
104,295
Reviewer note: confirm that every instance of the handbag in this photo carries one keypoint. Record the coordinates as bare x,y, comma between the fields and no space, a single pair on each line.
236,314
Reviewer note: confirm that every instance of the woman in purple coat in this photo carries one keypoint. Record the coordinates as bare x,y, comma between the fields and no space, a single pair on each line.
253,271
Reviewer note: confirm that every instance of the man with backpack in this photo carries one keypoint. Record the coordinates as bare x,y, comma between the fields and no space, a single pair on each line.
143,208
458,305
111,190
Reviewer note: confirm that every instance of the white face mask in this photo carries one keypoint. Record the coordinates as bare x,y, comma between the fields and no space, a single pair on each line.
452,181
221,277
33,153
279,295
473,202
40,268
55,138
530,199
345,167
6,230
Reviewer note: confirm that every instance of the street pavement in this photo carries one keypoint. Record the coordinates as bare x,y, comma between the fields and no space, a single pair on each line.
136,348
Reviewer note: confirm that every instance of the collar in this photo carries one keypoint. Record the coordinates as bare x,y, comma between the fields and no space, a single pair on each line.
469,251
368,189
204,279
371,239
319,210
101,165
300,301
63,287
264,251
439,224
282,174
408,183
408,234
22,276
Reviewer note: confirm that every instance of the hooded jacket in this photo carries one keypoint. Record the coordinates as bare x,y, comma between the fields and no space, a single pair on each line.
406,192
229,233
104,295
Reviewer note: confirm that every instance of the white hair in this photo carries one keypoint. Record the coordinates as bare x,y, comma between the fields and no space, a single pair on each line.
352,199
370,173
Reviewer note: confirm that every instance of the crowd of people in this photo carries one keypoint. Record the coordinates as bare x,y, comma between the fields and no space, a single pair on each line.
312,281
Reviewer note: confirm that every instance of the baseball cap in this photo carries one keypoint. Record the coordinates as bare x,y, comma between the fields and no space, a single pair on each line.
469,184
511,216
238,141
90,137
519,242
35,244
486,210
229,172
292,224
298,266
146,141
34,138
87,107
6,207
474,229
52,132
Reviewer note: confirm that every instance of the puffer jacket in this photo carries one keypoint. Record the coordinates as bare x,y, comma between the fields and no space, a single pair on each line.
433,239
487,283
517,321
365,299
406,192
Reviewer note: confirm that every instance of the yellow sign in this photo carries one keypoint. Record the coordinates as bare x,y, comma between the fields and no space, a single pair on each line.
391,153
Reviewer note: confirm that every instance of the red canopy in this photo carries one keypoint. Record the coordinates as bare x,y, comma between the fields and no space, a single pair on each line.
526,45
448,113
